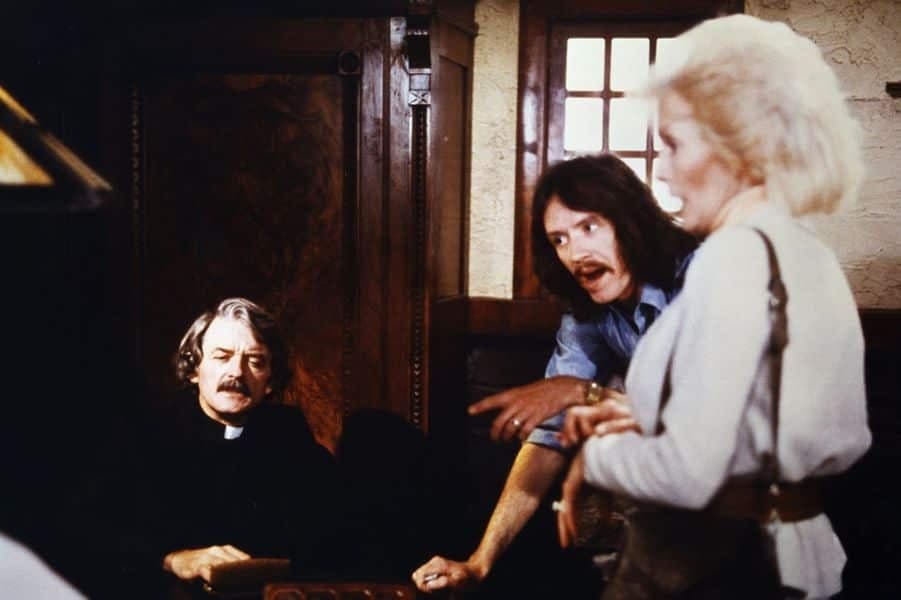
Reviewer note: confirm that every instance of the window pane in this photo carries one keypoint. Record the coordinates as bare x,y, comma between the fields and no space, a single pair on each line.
663,46
585,64
637,165
629,60
667,202
583,124
628,124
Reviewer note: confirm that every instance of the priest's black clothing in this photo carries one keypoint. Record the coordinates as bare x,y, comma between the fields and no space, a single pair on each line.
269,491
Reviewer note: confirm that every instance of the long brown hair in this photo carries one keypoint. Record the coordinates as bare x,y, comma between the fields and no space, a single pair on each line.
650,243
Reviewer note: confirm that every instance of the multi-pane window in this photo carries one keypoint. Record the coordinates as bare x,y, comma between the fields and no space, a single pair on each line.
593,69
576,61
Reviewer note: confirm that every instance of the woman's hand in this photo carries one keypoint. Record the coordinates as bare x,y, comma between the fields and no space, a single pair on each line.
612,415
567,518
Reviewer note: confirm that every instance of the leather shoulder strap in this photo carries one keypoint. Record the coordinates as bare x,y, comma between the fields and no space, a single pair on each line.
778,340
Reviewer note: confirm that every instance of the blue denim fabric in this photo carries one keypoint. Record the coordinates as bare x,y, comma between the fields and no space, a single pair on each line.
593,349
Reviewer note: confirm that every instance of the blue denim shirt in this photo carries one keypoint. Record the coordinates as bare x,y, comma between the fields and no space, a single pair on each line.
601,347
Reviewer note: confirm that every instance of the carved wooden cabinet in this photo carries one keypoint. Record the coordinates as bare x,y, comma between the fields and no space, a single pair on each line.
315,160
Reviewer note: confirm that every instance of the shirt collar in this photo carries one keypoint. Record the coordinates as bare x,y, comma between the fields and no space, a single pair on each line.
651,297
211,430
232,433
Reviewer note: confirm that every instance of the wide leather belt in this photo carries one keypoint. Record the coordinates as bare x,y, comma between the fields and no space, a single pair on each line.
784,501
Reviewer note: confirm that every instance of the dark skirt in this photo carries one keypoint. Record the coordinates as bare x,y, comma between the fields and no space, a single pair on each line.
678,554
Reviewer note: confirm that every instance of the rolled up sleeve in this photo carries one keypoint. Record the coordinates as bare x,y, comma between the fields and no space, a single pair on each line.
580,352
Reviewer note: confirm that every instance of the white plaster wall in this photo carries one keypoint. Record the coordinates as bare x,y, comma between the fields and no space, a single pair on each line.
492,193
862,41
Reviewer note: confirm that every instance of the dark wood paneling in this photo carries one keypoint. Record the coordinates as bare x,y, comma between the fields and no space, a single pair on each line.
348,258
399,224
528,318
243,177
448,215
647,10
340,591
270,225
389,262
451,77
246,162
448,206
495,316
113,11
372,231
531,134
419,306
445,415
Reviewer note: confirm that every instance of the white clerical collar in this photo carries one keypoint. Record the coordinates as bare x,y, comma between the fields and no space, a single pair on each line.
232,433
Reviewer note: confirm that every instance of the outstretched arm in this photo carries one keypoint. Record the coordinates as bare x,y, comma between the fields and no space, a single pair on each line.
524,407
532,474
582,354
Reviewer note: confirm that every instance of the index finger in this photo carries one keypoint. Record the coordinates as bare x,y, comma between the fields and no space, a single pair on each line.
493,402
499,427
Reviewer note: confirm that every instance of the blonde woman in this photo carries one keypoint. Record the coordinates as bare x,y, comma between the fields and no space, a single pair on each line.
732,432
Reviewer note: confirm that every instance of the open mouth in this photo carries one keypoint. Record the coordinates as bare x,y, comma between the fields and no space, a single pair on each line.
589,274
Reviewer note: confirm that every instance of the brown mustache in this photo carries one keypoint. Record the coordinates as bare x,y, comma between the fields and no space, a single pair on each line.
233,385
584,268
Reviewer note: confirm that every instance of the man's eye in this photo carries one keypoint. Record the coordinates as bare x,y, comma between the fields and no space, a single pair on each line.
220,357
557,240
258,363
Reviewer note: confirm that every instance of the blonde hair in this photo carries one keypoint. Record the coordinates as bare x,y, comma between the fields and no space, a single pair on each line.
771,107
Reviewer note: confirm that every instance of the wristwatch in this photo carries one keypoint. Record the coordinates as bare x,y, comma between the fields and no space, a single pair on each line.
593,393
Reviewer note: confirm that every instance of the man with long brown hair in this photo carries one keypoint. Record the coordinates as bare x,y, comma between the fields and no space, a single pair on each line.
615,258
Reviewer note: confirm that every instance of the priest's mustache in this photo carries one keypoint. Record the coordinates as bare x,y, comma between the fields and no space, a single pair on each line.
233,385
